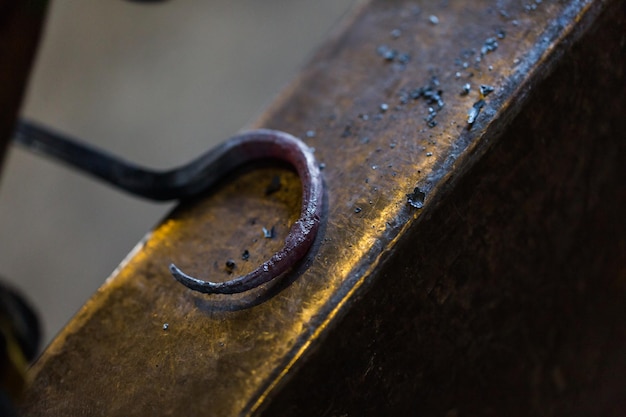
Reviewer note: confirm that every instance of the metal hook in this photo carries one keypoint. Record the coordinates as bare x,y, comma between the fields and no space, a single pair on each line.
194,178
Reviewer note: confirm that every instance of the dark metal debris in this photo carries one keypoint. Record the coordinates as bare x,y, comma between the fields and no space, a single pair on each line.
386,52
245,255
472,114
416,198
269,234
485,89
490,45
430,119
390,55
432,94
230,265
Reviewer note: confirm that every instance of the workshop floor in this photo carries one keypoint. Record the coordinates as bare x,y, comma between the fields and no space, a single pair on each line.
158,84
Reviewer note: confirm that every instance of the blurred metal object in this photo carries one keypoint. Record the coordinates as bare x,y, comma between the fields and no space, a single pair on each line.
20,337
20,27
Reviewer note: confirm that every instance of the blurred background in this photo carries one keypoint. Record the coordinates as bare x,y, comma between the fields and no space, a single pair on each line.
156,83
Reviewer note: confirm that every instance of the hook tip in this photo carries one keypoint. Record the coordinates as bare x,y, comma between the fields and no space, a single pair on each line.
190,282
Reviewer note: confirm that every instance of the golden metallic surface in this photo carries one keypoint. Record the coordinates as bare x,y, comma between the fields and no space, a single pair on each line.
144,345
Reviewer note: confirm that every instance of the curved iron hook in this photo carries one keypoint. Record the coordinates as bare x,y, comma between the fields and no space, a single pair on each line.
194,178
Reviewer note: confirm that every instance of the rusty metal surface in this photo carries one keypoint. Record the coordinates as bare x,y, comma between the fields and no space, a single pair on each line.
379,317
507,298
